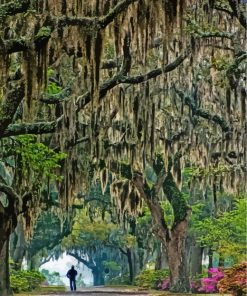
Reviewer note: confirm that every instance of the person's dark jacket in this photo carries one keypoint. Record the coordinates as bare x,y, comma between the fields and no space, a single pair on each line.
71,274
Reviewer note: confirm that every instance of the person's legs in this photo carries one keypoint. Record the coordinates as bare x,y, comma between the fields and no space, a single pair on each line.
74,282
71,286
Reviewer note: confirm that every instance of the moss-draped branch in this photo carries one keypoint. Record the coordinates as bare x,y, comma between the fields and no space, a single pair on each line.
36,128
10,105
121,77
226,127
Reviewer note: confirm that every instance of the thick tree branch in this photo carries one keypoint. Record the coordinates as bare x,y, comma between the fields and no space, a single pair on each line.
85,262
160,227
119,8
95,23
121,77
37,128
18,45
218,34
13,198
13,45
57,98
207,115
204,113
10,105
176,199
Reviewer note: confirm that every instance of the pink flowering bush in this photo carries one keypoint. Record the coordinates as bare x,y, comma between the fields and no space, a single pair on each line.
203,285
165,284
209,284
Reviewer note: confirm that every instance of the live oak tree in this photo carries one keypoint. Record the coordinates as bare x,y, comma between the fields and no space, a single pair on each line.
143,83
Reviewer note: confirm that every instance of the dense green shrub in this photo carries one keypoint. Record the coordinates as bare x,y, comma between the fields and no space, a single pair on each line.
151,278
25,280
118,280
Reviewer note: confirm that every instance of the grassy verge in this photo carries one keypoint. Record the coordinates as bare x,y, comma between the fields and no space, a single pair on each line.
43,290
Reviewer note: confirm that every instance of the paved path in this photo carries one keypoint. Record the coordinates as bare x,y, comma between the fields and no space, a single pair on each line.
101,291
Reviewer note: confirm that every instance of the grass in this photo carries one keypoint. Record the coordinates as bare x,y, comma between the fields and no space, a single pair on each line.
43,290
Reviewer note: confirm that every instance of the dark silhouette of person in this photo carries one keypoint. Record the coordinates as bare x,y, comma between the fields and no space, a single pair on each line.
71,274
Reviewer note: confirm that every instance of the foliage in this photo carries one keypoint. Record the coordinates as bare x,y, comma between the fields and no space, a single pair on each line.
53,88
112,265
37,156
53,278
235,280
119,280
150,278
25,280
226,233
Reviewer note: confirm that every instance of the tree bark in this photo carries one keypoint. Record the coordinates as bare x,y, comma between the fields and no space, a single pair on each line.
18,245
98,277
210,258
176,257
173,239
196,260
5,289
129,257
161,259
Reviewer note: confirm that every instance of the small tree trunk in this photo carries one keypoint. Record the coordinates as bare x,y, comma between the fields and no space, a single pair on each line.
221,261
130,265
210,258
5,289
196,260
161,260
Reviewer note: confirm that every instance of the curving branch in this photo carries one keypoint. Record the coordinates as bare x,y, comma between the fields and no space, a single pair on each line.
226,127
89,264
119,8
14,200
121,77
95,23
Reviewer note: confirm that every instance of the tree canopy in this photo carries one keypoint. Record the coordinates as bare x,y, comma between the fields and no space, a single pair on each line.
131,92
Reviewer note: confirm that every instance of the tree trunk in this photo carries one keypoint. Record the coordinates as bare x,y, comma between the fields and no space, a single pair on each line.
131,276
98,277
18,245
210,258
5,289
35,262
161,260
7,223
221,261
196,260
176,257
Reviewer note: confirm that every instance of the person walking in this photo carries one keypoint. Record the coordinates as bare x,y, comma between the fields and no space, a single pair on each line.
71,274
